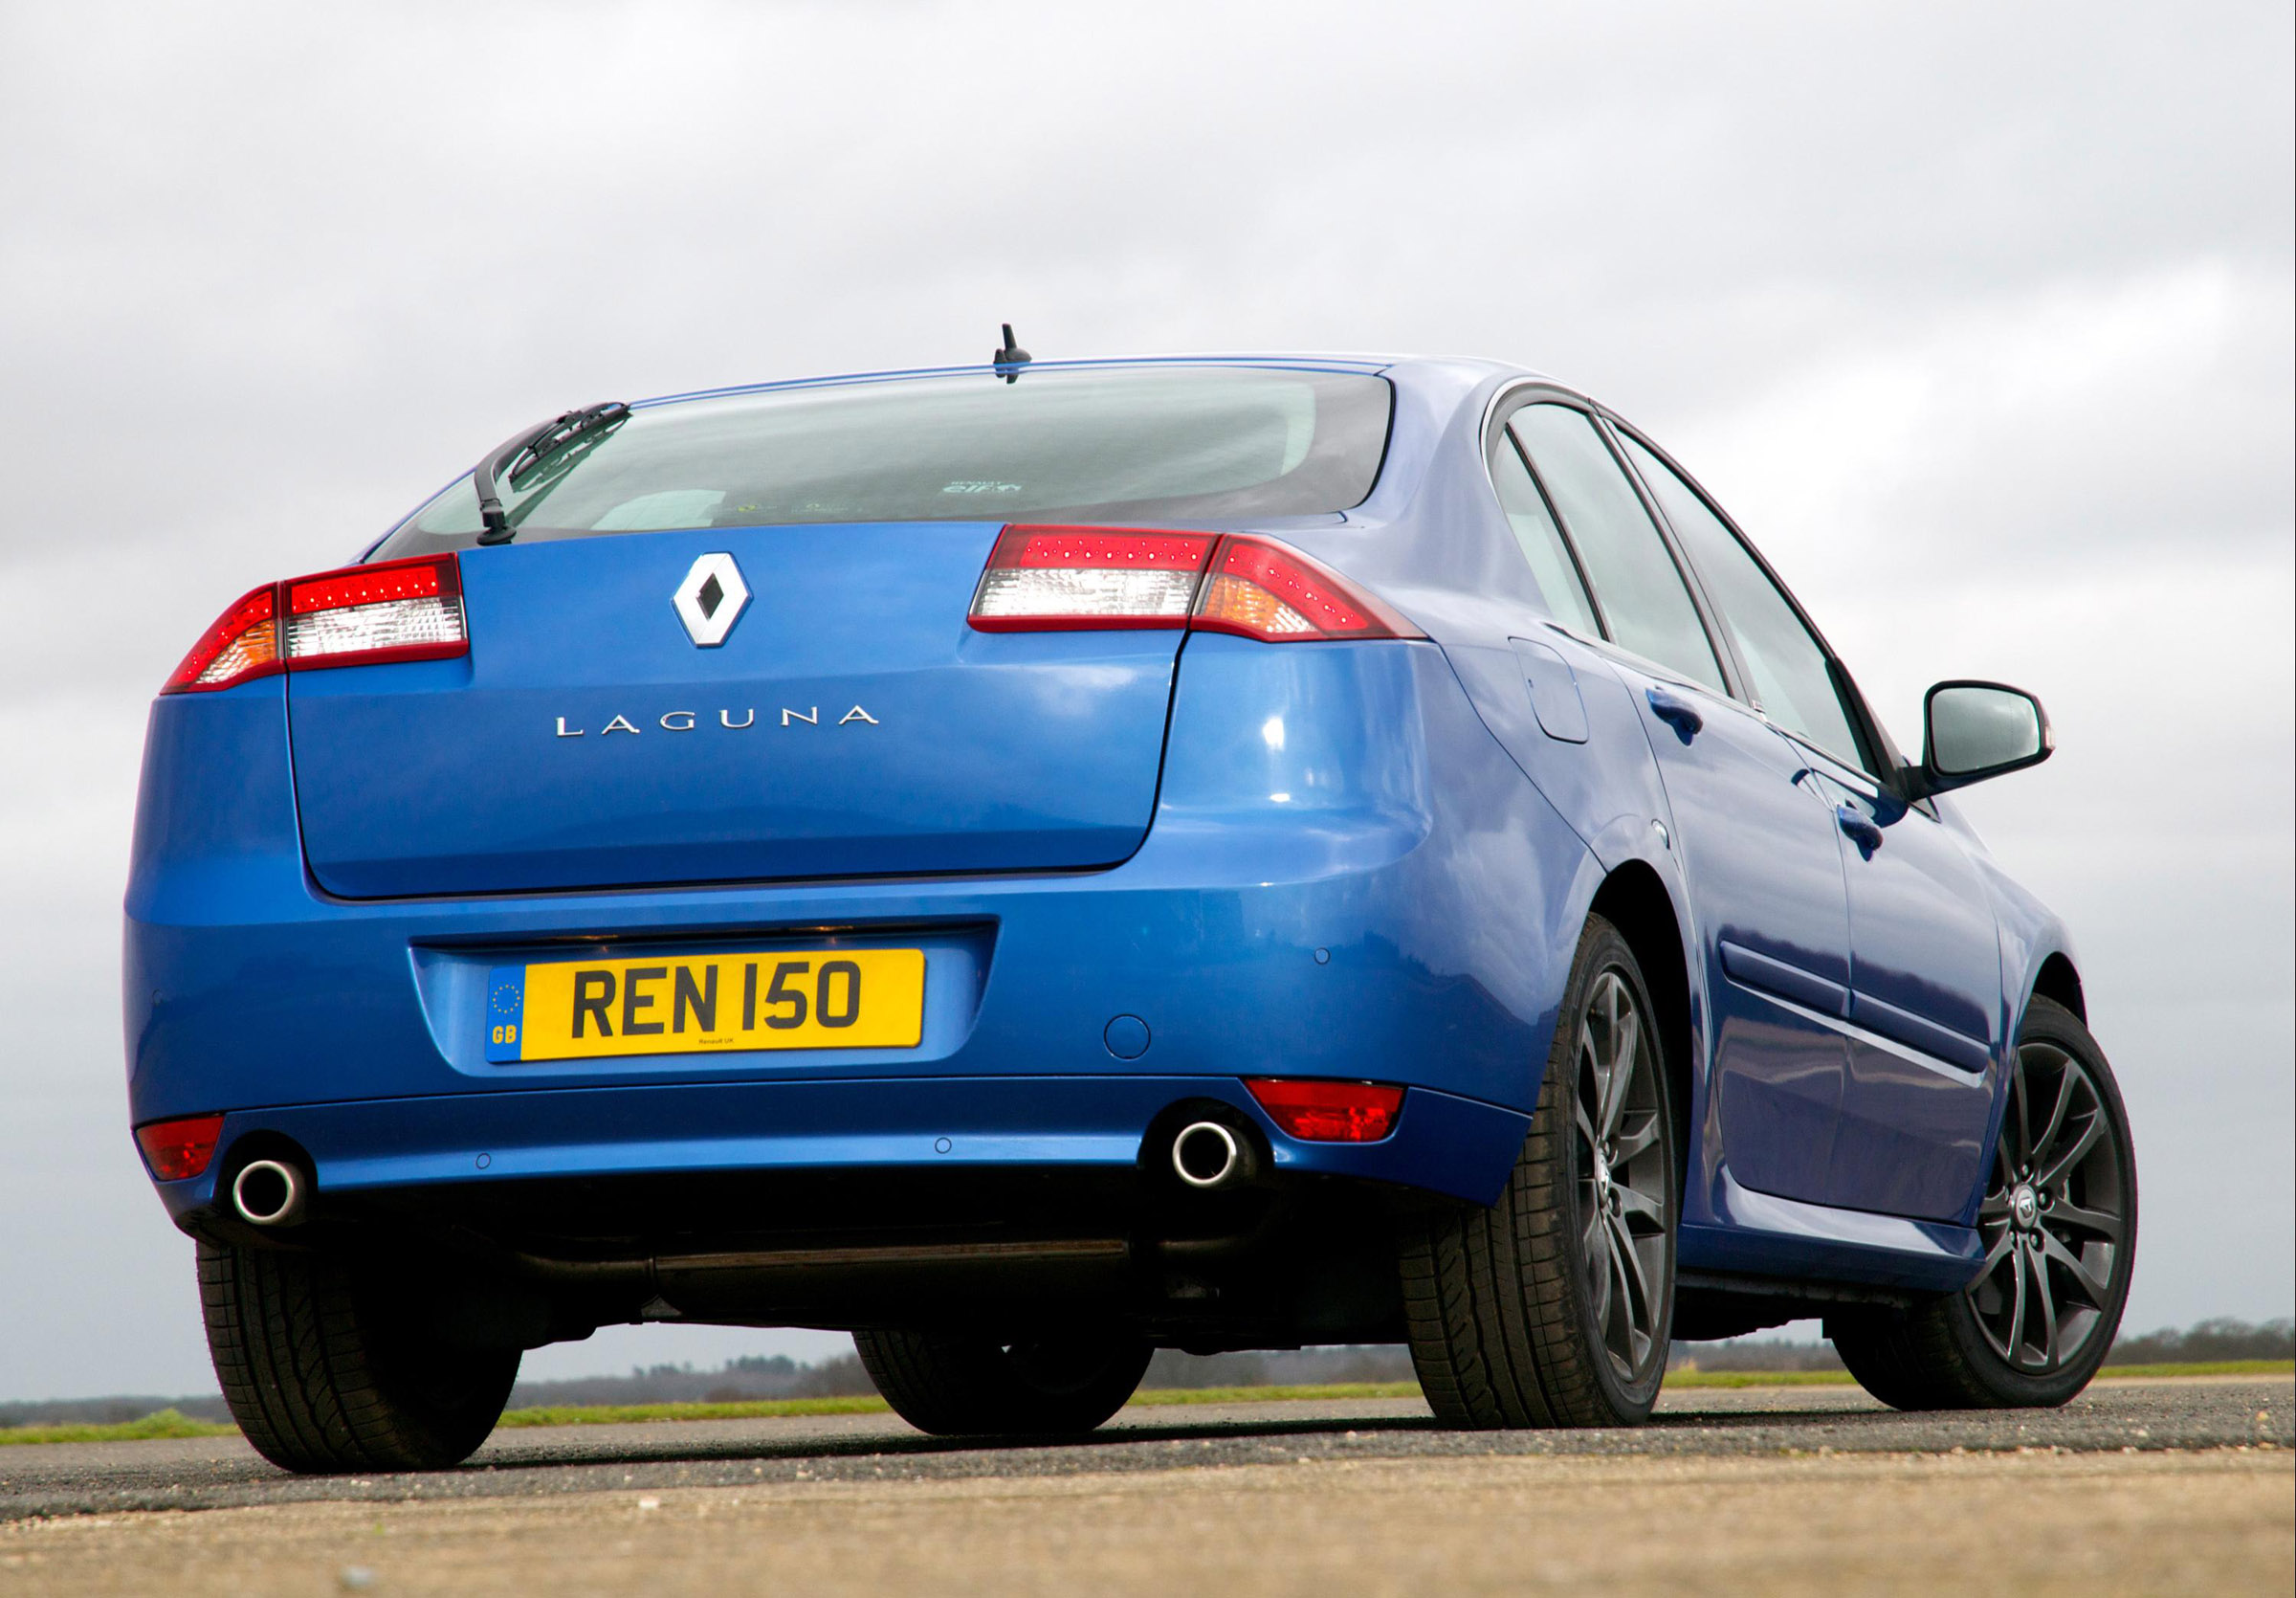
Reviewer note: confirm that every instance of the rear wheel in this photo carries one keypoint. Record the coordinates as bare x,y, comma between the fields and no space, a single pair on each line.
1553,1306
957,1385
322,1378
2059,1225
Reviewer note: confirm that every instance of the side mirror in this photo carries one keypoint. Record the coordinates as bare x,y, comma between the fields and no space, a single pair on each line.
1975,730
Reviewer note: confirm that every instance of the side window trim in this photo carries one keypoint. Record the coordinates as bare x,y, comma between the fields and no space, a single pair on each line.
1877,747
1570,545
1717,636
1502,412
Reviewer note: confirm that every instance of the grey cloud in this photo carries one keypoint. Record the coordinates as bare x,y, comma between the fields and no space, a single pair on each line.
1977,317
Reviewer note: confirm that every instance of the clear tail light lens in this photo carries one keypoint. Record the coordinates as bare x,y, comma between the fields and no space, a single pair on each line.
398,610
1042,579
361,616
1059,579
1328,1112
179,1150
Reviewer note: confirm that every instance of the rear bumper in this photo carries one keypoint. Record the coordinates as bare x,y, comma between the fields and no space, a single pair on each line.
1372,891
458,1146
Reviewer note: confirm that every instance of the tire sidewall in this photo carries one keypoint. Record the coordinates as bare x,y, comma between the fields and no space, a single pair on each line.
1604,949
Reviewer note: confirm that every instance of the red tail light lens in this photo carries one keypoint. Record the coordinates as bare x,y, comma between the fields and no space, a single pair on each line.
398,610
361,616
1063,579
244,643
1328,1112
1278,595
1060,579
178,1150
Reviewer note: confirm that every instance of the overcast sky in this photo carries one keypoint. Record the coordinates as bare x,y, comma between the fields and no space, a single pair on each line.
1977,317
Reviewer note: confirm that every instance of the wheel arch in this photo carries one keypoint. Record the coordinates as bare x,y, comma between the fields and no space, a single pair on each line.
1634,898
2060,981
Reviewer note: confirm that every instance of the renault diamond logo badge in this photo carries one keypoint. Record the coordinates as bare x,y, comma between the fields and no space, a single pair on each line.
711,600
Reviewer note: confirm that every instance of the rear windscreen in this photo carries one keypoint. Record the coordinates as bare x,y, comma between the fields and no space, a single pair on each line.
1105,446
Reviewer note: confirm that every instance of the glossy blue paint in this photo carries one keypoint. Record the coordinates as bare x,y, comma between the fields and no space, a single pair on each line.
850,725
1554,697
1442,1142
1142,865
1771,916
1340,797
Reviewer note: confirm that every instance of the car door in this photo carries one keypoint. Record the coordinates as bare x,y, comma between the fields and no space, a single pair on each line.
1758,845
1925,979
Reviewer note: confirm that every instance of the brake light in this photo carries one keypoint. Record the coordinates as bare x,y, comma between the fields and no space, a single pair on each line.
244,643
1328,1112
178,1150
1276,594
359,615
1059,579
398,610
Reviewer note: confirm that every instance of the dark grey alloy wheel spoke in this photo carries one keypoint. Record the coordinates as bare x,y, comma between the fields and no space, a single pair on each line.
1623,1186
2054,1216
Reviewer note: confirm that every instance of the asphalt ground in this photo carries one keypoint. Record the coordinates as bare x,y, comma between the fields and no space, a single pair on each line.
2112,1417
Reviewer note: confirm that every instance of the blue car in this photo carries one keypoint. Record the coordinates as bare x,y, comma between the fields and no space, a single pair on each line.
1040,862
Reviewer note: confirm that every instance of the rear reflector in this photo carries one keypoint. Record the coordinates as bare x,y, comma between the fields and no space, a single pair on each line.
361,616
1328,1112
1064,579
178,1150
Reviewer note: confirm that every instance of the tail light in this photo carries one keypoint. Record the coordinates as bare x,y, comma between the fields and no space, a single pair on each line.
1059,579
1328,1112
1042,579
178,1150
1276,594
361,616
243,644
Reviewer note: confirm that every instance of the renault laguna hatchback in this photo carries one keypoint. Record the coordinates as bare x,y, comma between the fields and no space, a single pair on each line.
1036,863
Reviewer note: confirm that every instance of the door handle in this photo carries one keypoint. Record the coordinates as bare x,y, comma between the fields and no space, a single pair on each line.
1679,713
1857,829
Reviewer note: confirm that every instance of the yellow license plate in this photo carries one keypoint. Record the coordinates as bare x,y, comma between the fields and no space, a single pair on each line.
705,1004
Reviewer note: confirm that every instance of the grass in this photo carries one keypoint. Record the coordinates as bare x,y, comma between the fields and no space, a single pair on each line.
171,1423
164,1423
1275,1395
1756,1378
619,1414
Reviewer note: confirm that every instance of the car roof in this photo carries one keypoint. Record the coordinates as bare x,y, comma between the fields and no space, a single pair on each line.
1446,371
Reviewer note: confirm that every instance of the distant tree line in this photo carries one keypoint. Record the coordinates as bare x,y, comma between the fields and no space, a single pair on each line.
778,1376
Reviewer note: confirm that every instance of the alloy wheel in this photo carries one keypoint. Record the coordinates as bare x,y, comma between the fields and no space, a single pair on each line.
2054,1219
1625,1188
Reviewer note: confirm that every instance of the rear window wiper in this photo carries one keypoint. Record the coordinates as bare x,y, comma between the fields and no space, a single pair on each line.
526,450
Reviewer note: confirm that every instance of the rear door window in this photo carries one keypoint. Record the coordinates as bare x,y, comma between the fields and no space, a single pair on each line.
1541,541
1637,585
1791,678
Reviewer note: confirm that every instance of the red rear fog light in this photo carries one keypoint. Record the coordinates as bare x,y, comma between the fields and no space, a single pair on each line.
178,1150
1326,1111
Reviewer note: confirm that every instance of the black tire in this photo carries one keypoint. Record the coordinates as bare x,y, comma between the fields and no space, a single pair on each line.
322,1381
1516,1313
2066,1254
955,1386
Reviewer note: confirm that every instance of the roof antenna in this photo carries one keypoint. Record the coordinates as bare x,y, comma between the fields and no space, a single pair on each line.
1009,360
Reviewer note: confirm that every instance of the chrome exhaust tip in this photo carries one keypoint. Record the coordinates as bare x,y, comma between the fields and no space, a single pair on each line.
1206,1154
269,1193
